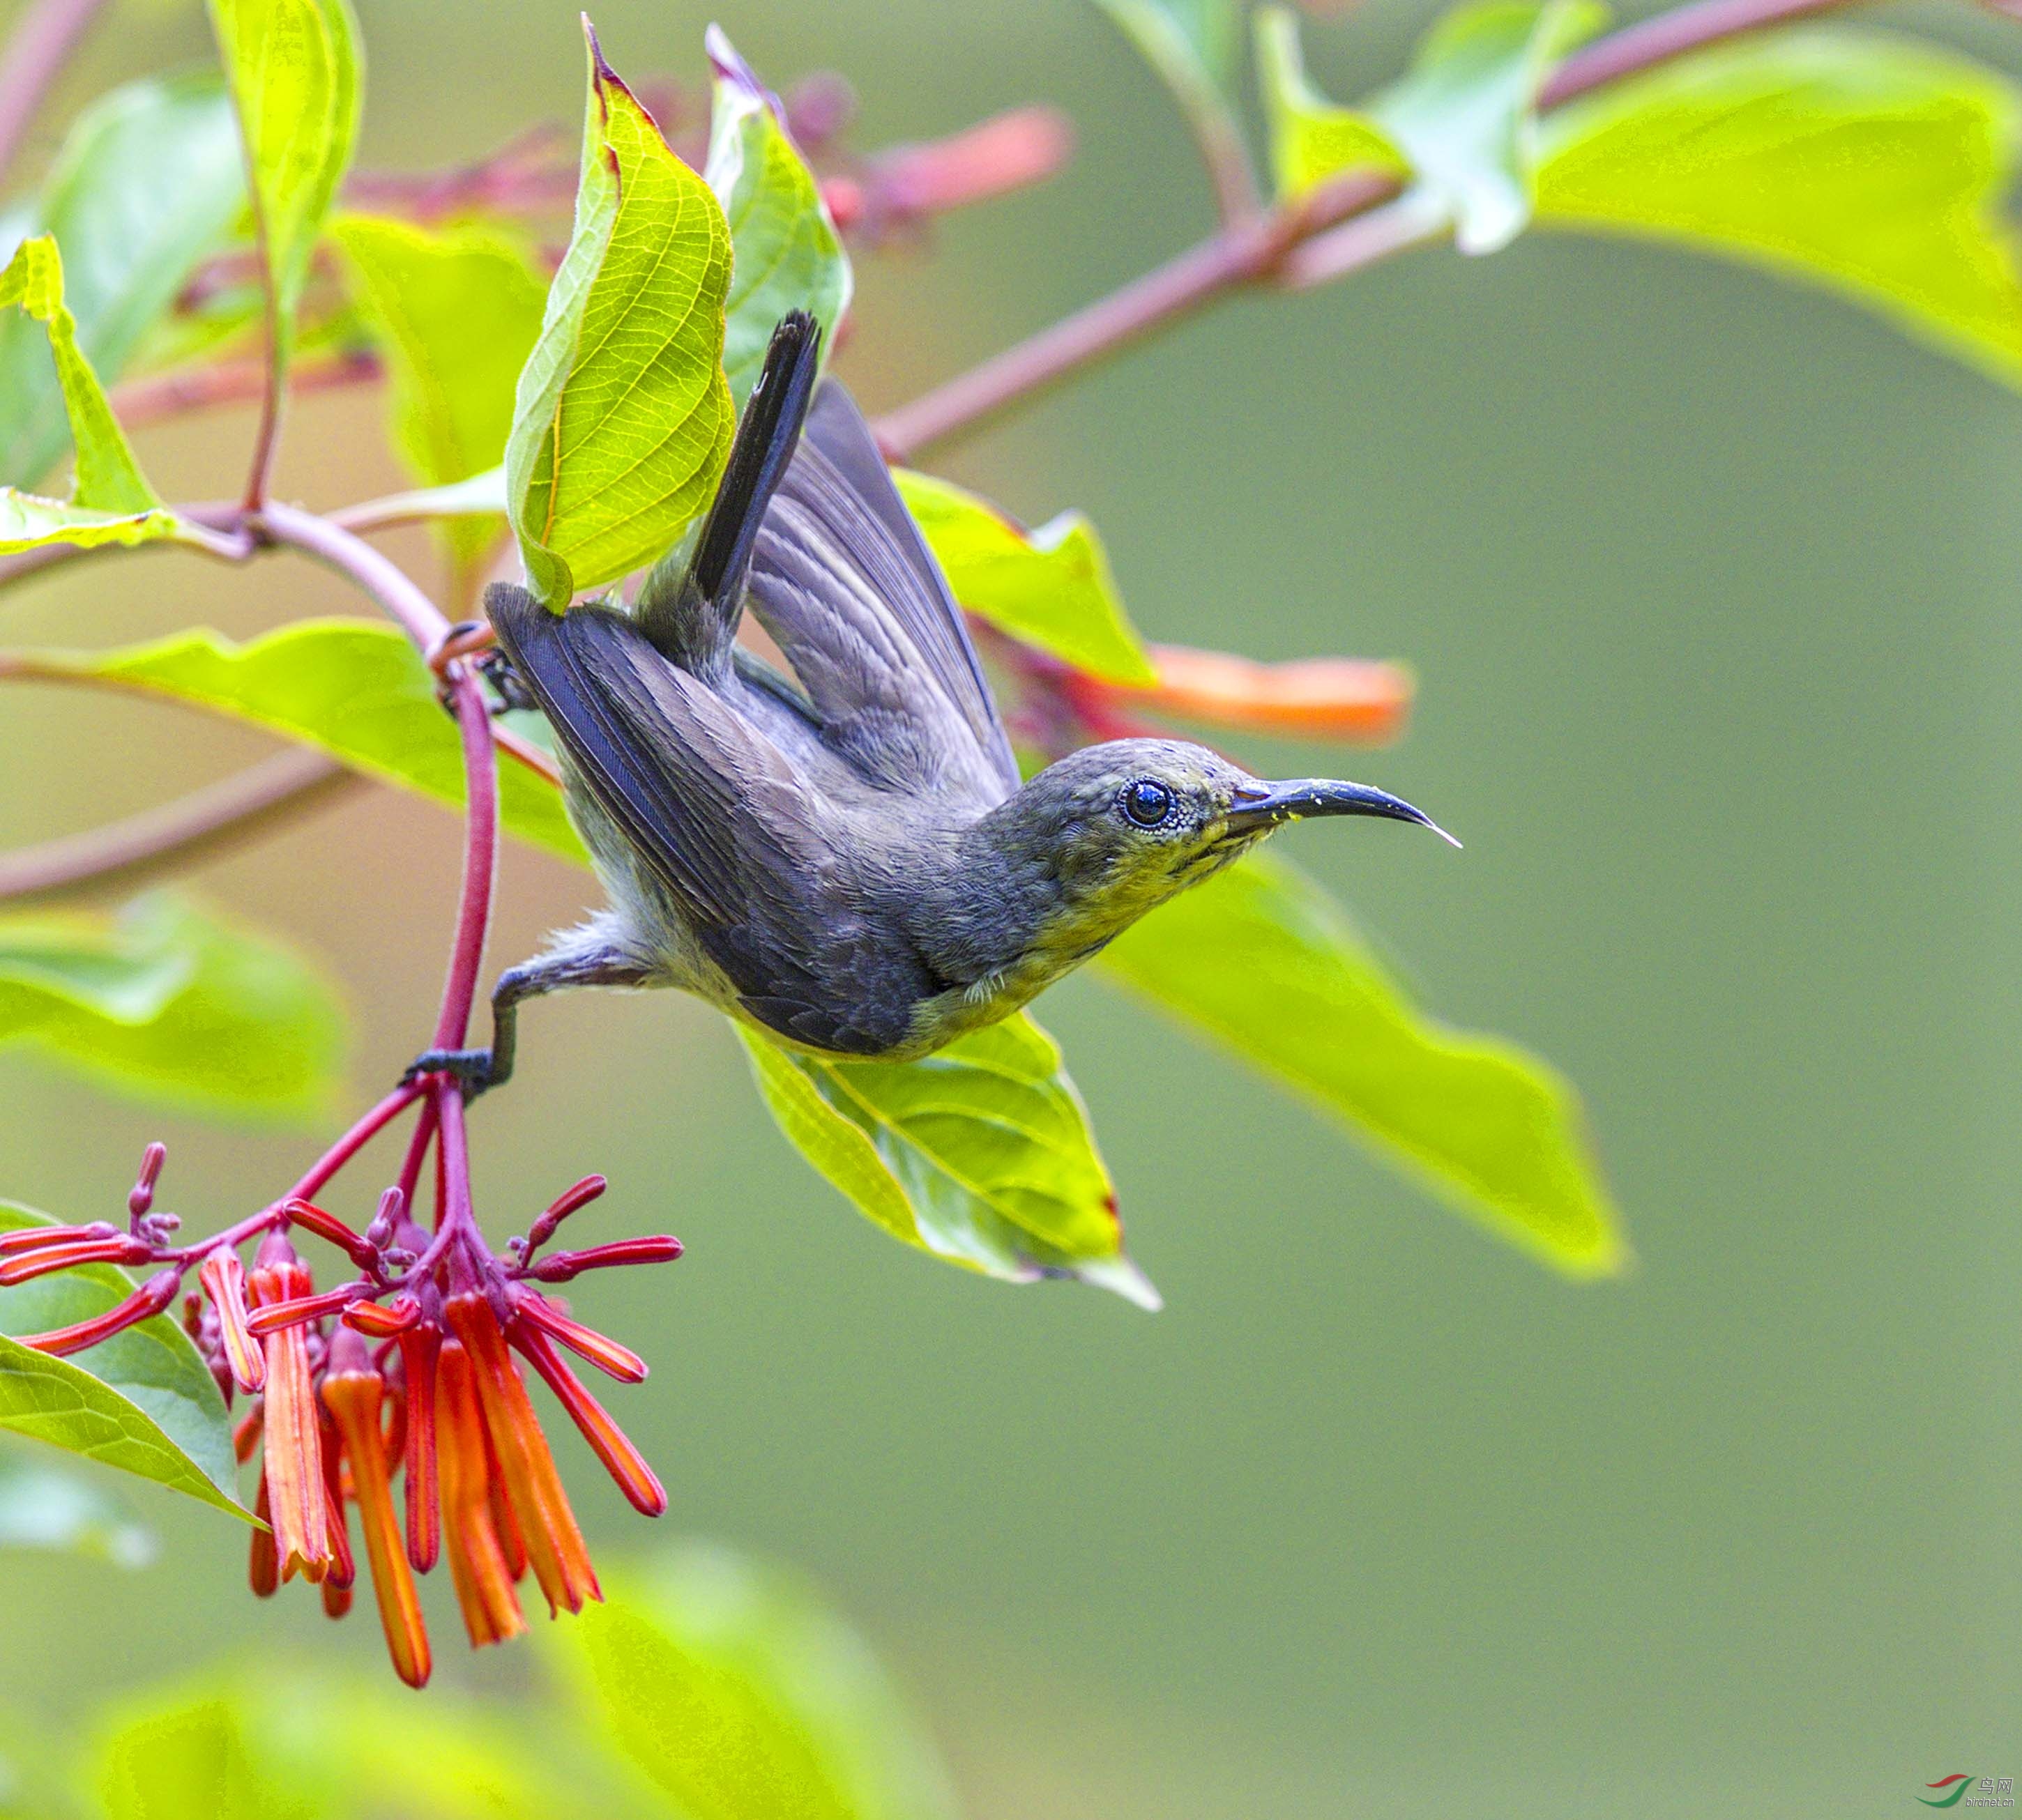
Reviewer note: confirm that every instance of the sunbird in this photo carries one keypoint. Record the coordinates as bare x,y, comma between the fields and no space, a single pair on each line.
846,857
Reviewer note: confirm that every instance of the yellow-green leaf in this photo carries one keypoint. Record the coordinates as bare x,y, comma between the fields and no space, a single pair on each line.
1465,113
1264,962
738,1696
455,313
786,253
174,1004
148,182
108,478
1877,166
980,1154
294,67
142,1401
1312,140
623,419
1051,587
354,688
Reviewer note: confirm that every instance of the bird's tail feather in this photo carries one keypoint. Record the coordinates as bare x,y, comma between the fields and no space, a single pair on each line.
694,624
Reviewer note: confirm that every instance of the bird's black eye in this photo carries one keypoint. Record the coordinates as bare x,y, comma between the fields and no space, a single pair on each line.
1148,802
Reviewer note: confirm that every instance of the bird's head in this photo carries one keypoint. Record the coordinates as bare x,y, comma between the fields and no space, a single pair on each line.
1123,827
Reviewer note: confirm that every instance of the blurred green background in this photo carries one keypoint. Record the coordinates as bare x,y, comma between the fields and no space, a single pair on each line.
1711,584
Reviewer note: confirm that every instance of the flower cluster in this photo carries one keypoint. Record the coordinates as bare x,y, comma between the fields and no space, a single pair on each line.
414,1368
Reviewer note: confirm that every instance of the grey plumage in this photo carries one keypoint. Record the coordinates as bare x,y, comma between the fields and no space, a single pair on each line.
844,856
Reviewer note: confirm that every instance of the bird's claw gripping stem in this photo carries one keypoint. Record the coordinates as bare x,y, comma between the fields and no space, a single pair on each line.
472,1069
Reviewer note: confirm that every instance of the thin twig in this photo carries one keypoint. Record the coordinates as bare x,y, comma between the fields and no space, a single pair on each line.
44,37
261,799
1286,244
140,402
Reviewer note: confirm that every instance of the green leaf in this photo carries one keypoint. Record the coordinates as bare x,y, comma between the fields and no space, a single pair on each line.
1051,587
354,688
294,72
455,314
1465,113
786,253
27,521
1312,140
170,1002
43,1507
1191,45
623,420
148,182
142,1401
108,479
1264,961
739,1697
204,1759
980,1154
1875,166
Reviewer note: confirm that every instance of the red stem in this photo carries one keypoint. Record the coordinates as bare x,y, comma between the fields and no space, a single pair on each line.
481,862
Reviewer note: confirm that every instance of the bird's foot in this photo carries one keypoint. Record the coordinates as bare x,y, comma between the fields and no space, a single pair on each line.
472,1069
510,687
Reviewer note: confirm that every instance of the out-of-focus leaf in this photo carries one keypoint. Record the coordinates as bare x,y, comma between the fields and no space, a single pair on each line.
623,420
108,479
1312,140
45,1509
27,521
739,1697
1191,45
786,253
1874,165
1264,962
980,1152
455,314
1465,113
142,1401
1051,587
294,72
354,688
170,1002
202,1758
148,182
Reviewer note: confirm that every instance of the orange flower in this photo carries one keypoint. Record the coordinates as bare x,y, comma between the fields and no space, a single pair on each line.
1321,697
554,1543
292,1479
353,1393
476,1562
224,1278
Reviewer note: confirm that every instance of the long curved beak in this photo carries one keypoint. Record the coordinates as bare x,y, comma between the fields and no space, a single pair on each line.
1264,805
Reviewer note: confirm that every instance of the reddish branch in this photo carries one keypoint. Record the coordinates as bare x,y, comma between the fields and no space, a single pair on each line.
1333,232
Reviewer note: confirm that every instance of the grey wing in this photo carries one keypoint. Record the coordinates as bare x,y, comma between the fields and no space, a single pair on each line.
846,585
718,820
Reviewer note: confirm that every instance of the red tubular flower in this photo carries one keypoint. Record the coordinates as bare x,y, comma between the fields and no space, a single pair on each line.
246,1437
224,1279
149,1300
294,1476
263,1573
614,1361
141,1198
483,1585
419,1346
1324,698
353,1393
25,1265
35,1237
622,1461
377,1321
272,1317
332,1230
570,1200
554,1543
343,1566
564,1266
